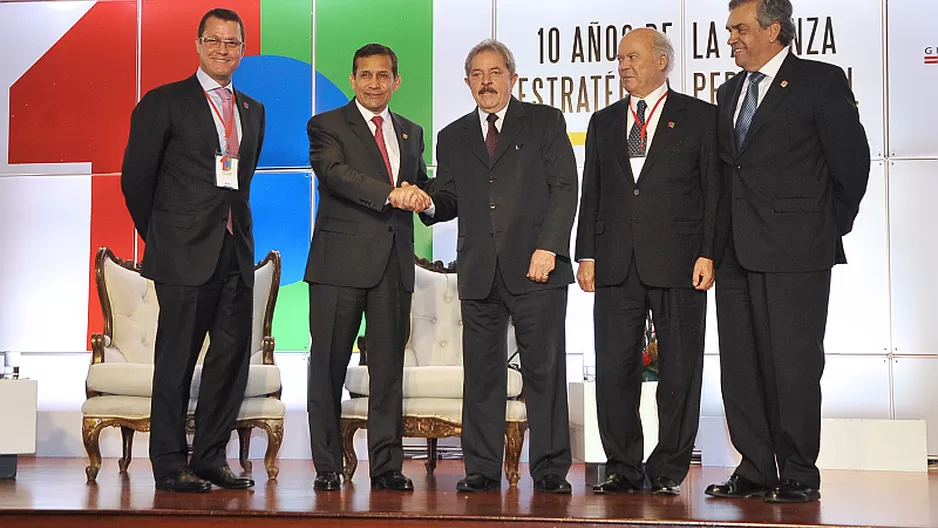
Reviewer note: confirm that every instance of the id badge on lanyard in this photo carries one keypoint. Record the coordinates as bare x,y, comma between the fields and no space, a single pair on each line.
226,165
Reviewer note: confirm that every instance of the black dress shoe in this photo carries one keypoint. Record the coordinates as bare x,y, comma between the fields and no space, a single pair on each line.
616,483
737,487
224,478
327,481
553,484
664,486
791,491
392,480
183,480
477,482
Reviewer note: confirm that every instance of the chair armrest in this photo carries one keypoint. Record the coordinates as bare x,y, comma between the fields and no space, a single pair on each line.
267,350
98,343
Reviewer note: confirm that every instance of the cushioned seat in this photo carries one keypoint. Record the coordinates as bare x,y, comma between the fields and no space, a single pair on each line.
433,376
120,378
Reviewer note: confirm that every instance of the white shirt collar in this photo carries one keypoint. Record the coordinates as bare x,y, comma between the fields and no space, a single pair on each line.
367,114
484,116
770,69
209,84
651,98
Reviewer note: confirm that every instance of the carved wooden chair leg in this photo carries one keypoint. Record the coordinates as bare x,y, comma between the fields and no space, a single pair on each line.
127,435
274,440
244,441
514,441
90,434
431,454
350,459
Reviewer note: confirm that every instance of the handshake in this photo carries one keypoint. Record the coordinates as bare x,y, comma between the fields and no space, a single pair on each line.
410,198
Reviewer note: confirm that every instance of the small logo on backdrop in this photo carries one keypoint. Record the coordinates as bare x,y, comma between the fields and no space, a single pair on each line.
931,55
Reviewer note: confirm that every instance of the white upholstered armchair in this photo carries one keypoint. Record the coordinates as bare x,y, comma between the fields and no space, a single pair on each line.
120,377
433,376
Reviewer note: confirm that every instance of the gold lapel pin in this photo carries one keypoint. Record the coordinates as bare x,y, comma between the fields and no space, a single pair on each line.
784,84
404,135
517,147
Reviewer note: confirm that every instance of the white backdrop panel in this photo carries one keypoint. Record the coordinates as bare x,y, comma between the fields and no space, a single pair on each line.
44,259
858,317
916,394
457,27
855,387
566,52
913,116
913,185
834,31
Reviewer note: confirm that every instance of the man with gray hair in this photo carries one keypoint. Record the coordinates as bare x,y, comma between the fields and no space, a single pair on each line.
647,240
796,163
507,169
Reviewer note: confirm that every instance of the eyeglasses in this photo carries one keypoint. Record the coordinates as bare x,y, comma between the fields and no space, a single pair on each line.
231,45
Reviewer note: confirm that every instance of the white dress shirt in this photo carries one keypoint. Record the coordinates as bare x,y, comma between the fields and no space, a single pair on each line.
209,85
770,70
390,138
652,116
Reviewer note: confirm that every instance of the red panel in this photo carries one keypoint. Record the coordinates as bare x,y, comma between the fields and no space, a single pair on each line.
74,104
111,226
169,29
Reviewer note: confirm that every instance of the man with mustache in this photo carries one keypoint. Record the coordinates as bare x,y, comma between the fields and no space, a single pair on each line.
507,170
186,178
796,163
646,239
369,163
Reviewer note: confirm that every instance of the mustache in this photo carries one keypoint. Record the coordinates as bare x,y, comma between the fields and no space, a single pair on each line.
486,90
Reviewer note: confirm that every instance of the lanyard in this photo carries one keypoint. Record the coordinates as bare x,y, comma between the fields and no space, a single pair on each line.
644,128
230,122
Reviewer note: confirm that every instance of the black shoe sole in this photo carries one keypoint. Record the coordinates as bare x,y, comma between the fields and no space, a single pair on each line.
771,499
206,489
750,495
666,492
467,489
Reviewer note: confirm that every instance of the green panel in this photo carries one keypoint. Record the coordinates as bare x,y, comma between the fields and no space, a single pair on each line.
287,29
291,318
343,26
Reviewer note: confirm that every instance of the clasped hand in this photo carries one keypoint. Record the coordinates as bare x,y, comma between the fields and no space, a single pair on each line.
409,197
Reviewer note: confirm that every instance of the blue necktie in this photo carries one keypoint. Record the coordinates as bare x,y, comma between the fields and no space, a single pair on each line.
748,110
636,144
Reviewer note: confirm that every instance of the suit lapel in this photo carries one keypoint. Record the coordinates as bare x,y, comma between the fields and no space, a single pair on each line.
510,129
403,144
728,107
773,97
664,134
203,113
246,115
619,136
358,125
472,135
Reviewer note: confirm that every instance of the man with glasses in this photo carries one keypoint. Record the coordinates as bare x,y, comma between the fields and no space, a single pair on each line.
186,178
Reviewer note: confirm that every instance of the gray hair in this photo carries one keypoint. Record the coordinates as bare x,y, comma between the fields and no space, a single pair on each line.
769,12
495,46
662,47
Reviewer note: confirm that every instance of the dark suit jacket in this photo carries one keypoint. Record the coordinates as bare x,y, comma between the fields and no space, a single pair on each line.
668,218
168,180
522,201
356,230
795,184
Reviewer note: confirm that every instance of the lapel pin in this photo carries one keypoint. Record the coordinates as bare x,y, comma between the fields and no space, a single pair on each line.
404,135
784,84
670,124
517,147
245,104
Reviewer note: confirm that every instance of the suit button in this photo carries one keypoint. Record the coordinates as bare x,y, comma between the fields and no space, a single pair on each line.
491,180
635,192
390,229
491,206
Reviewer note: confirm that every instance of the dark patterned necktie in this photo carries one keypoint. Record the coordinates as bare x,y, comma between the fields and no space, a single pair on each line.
491,137
748,110
636,143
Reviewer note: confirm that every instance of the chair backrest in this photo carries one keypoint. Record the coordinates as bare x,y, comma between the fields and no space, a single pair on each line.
436,318
130,308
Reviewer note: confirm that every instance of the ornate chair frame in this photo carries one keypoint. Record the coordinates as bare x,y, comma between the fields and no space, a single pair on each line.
432,428
92,426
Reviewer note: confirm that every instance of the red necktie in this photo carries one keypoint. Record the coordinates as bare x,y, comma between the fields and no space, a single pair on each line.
231,139
491,136
379,139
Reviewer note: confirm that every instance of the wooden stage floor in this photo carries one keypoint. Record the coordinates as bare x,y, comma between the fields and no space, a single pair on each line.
53,492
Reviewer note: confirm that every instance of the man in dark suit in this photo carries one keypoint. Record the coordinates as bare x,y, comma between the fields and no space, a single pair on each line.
186,178
507,169
645,240
796,163
369,162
